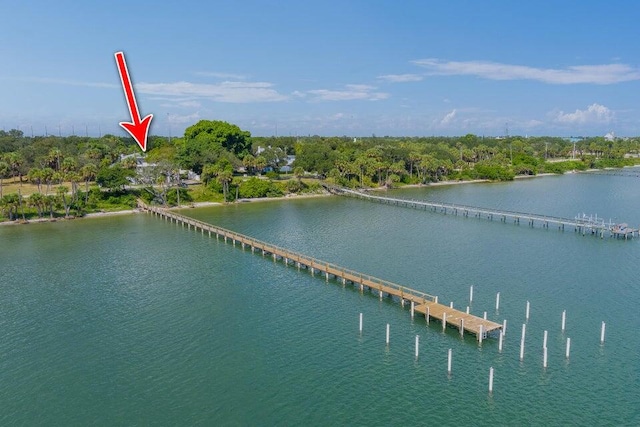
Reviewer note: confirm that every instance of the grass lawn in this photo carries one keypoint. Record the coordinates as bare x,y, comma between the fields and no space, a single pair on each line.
12,185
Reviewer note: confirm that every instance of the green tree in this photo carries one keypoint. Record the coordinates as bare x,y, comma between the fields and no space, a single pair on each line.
114,178
62,198
15,161
88,173
4,171
37,200
205,141
10,203
35,177
260,163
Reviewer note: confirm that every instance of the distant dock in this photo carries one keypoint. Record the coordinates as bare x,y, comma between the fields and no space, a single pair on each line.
580,224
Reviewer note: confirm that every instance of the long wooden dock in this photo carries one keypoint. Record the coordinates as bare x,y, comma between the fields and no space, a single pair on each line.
582,223
420,302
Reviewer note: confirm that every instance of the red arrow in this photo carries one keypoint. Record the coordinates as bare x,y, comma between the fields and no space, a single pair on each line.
139,129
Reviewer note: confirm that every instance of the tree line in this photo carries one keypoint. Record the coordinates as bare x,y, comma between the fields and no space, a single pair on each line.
78,174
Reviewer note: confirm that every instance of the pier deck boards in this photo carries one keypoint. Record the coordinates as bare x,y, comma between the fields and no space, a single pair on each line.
375,285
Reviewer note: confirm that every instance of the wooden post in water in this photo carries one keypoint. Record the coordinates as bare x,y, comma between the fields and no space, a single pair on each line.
484,316
602,333
449,362
471,294
527,311
480,334
497,301
544,340
360,322
491,380
417,344
387,341
462,327
467,309
451,304
426,314
544,357
568,348
500,341
504,326
412,308
444,321
521,349
564,319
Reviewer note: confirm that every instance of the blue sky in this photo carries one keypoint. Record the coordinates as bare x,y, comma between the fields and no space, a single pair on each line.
352,68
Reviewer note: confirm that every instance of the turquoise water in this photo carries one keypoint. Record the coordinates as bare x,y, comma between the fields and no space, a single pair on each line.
131,320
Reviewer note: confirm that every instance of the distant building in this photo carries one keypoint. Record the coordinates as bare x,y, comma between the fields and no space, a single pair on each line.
288,167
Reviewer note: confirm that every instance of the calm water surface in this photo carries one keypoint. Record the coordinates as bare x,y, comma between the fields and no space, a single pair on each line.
131,320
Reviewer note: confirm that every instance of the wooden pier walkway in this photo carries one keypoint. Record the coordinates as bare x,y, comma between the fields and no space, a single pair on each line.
420,302
582,224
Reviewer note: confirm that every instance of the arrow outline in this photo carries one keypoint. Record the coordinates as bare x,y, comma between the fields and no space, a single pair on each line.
138,124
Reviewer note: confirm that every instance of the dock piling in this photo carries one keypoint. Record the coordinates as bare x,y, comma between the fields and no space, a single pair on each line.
491,380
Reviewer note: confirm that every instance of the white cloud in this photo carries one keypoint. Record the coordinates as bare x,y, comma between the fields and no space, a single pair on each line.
350,93
233,92
595,113
596,74
189,104
227,76
447,119
401,78
183,119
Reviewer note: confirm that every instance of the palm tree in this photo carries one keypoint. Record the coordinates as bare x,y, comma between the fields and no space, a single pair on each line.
260,163
54,159
50,201
249,162
35,177
62,197
15,162
4,170
37,200
10,203
225,177
47,176
88,172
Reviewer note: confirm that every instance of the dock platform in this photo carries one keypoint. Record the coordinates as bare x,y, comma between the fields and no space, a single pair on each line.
420,302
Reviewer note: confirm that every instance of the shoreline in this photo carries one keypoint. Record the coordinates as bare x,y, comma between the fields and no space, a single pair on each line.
196,205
